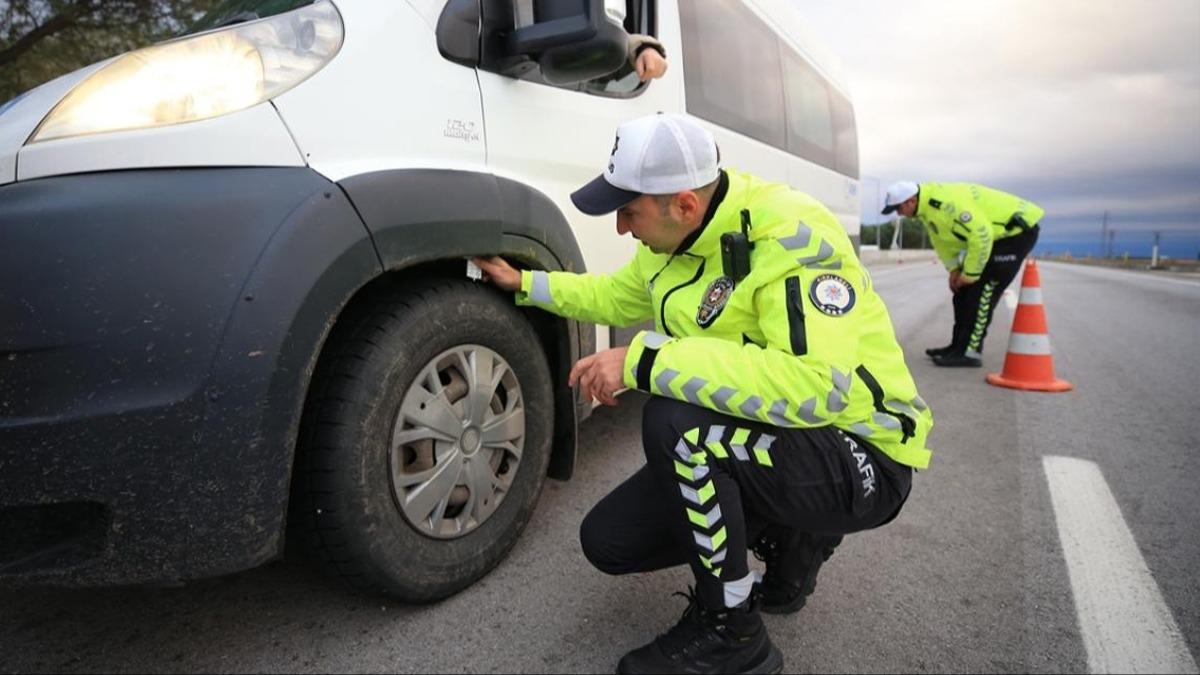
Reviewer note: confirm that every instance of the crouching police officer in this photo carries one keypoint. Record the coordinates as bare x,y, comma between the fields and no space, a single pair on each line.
783,415
982,236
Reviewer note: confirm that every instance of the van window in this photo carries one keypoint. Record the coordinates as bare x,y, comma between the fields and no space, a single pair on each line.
847,135
732,70
809,112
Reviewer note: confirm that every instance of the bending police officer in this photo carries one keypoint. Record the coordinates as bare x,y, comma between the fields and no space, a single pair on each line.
981,235
782,414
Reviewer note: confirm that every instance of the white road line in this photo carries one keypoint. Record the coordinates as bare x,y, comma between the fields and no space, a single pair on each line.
1126,626
1143,276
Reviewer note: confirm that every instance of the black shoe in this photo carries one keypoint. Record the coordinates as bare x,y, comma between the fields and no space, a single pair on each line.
957,361
939,351
729,640
793,559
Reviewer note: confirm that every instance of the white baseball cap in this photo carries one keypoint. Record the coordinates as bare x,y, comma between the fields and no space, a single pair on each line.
654,155
899,193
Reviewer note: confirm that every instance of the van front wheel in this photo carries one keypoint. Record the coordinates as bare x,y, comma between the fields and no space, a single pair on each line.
425,441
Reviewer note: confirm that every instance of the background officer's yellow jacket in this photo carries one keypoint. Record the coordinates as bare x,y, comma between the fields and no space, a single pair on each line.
803,341
966,216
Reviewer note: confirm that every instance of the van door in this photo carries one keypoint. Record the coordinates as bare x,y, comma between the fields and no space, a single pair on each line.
555,139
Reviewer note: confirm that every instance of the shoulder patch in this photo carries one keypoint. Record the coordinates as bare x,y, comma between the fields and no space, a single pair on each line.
832,294
714,301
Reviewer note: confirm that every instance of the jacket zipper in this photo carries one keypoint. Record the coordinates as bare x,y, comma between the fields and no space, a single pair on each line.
662,310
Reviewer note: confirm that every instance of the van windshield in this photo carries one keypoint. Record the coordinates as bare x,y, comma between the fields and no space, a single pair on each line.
229,12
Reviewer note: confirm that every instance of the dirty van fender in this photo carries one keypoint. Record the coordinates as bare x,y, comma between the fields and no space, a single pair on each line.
423,215
314,263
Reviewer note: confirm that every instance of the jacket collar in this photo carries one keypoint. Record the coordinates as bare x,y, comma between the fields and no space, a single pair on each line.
704,240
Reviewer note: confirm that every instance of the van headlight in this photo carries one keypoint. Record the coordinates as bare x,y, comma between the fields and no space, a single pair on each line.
200,76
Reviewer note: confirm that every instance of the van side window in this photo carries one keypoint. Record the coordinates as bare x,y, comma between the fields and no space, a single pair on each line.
740,75
732,70
847,135
809,112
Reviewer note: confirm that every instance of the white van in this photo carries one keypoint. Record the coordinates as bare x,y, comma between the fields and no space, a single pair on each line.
232,277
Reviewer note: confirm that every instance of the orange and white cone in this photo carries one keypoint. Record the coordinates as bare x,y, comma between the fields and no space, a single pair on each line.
1028,364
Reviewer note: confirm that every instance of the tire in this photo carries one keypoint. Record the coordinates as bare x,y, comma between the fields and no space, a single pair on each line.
405,485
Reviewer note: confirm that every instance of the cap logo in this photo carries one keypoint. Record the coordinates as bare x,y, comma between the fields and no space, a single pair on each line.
612,165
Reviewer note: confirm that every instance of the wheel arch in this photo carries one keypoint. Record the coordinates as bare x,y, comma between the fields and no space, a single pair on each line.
426,222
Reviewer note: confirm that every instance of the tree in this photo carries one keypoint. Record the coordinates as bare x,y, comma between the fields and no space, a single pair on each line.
42,39
883,233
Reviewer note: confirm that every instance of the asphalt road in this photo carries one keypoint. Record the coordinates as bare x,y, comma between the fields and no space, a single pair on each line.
974,576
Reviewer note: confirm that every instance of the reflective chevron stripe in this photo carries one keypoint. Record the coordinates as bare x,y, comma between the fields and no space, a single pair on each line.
705,520
761,446
713,442
663,381
737,444
691,473
698,497
711,543
981,317
807,412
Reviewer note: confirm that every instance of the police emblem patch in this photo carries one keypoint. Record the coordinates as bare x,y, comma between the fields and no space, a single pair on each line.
964,217
714,301
832,294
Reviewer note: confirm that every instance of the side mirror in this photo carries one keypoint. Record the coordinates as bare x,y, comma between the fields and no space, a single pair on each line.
572,40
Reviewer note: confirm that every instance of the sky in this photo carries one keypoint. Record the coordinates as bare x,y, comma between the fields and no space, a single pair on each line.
1083,106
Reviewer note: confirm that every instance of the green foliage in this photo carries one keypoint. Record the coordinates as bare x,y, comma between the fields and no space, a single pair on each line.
882,234
42,39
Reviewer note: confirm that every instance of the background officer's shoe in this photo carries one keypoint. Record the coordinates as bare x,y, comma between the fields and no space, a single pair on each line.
939,351
957,361
729,640
793,559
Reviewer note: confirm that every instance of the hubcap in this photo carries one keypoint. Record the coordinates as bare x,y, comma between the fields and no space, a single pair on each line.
457,441
470,441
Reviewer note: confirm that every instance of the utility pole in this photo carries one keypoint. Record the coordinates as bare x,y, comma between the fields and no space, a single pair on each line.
1104,236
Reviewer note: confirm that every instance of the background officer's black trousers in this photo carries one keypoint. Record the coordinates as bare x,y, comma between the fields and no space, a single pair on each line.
712,482
974,304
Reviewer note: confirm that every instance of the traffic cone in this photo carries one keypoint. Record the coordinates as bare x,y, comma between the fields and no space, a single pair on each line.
1028,364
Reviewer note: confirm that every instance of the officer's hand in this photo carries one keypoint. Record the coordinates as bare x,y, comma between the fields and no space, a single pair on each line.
600,375
499,272
953,281
650,65
959,282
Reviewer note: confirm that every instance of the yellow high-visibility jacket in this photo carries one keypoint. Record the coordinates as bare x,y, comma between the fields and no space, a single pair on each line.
966,216
802,341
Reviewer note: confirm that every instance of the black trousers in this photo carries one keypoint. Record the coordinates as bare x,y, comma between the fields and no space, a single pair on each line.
975,304
712,482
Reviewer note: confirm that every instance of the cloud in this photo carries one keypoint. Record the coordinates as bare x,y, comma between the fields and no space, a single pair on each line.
1084,104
